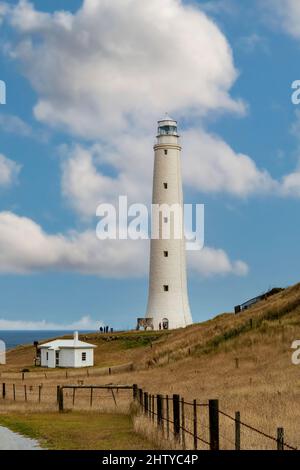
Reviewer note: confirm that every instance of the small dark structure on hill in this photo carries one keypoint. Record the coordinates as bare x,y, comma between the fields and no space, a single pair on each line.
250,302
144,323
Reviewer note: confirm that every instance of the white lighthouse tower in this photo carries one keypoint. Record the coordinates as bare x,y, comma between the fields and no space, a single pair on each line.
168,303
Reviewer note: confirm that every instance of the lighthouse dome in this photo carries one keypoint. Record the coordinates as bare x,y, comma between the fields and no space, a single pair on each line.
167,126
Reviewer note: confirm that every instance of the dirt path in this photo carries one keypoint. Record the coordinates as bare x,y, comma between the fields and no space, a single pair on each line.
10,440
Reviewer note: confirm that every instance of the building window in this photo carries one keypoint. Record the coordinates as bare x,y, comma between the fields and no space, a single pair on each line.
166,185
47,356
166,152
165,220
166,254
166,288
83,356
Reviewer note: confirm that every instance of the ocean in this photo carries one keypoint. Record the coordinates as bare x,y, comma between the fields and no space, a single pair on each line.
15,338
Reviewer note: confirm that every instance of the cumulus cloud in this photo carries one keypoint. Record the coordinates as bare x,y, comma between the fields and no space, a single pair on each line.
106,75
25,248
111,83
291,184
84,323
101,70
211,165
100,173
212,261
9,171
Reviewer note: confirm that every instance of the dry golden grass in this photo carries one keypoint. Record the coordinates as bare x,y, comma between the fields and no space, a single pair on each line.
200,362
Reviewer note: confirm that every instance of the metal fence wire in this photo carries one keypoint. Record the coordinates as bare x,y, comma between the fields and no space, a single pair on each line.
188,424
195,425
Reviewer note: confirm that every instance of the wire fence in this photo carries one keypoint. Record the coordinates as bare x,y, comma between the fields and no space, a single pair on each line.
189,424
67,397
199,426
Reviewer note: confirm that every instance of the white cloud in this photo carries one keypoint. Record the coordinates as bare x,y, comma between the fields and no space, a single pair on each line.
211,165
9,171
211,261
102,70
26,248
101,173
111,84
84,323
291,184
286,14
104,74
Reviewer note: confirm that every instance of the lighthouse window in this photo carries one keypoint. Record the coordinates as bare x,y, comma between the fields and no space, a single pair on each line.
166,288
166,254
167,130
166,152
166,185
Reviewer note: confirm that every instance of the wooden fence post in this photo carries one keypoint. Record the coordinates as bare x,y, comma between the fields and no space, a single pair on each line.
280,439
146,402
159,405
91,397
168,415
61,400
176,416
3,390
213,406
237,430
182,424
153,408
195,424
14,392
57,393
135,391
22,375
73,398
141,397
40,393
25,392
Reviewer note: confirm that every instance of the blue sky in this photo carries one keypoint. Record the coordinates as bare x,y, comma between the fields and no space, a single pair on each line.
82,105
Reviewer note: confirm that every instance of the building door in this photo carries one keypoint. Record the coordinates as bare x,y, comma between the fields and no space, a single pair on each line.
165,324
57,358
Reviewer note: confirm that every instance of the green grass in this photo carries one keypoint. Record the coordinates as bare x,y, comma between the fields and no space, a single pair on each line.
261,324
77,431
139,341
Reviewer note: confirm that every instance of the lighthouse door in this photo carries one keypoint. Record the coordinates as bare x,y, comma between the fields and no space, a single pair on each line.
165,324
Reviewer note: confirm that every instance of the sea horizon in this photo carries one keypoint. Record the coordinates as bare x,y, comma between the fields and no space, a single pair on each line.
14,338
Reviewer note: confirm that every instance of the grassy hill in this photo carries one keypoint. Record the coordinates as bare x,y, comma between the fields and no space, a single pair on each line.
244,360
277,316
